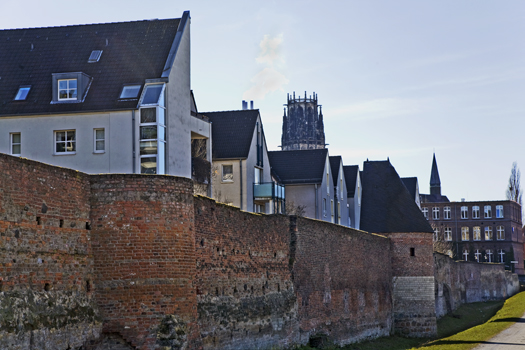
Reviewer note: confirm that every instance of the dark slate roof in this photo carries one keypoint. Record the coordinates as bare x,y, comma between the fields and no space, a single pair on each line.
132,52
350,172
335,162
299,166
386,203
411,184
433,198
232,132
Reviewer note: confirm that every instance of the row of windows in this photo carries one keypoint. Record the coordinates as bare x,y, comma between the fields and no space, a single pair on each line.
65,142
488,257
476,233
487,213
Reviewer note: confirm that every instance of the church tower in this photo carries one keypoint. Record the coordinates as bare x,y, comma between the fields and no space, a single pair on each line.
303,126
435,182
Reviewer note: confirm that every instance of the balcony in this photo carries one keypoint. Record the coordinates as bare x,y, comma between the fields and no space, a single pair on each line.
268,191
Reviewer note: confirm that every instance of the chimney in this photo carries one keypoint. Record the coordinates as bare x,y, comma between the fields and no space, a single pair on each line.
244,105
251,104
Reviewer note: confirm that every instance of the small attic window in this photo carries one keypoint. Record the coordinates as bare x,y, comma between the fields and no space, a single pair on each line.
95,56
21,95
130,91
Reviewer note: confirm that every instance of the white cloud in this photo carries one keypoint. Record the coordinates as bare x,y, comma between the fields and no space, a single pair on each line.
269,79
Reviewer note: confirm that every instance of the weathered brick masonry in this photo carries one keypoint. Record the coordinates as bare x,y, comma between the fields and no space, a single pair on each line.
46,262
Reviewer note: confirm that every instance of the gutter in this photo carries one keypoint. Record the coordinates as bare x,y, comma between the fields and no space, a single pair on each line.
240,169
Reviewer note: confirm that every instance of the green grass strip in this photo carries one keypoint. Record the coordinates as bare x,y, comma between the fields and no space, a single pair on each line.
511,312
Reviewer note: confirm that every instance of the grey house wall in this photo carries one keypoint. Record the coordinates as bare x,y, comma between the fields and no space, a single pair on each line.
37,140
230,192
341,192
354,204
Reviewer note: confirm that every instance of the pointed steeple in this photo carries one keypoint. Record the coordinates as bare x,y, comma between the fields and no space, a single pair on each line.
435,182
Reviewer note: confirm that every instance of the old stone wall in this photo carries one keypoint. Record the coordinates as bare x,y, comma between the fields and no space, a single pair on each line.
413,284
245,294
144,253
46,262
342,278
460,282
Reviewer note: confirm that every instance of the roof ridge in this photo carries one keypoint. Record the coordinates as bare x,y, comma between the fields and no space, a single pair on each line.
89,24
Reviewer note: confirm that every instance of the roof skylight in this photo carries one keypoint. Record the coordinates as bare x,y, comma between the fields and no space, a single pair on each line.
130,91
95,56
21,95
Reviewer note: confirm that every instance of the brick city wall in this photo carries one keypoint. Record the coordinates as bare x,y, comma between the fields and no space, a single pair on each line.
413,284
342,280
245,294
460,282
46,263
144,253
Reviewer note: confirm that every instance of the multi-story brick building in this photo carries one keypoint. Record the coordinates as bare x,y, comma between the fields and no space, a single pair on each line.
483,231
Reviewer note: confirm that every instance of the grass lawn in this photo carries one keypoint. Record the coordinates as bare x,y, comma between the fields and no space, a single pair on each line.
470,315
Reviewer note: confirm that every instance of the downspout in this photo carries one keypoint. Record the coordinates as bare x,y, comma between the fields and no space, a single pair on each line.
316,204
240,167
133,139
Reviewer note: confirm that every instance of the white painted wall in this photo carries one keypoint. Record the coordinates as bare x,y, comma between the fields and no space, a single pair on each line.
38,140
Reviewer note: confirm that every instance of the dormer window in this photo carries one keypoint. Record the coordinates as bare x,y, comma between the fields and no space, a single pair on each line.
67,89
70,87
21,95
130,91
152,94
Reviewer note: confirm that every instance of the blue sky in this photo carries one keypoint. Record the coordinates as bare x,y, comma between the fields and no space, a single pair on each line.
398,79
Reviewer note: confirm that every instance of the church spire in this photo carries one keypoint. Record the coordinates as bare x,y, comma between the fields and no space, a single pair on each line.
435,182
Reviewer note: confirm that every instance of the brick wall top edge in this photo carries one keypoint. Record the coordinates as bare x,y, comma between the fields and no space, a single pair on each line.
34,163
342,229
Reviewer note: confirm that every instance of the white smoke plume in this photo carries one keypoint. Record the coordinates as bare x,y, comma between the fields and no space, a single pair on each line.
269,79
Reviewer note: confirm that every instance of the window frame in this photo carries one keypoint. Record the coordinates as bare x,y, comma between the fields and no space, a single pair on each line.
475,212
223,179
448,234
488,255
435,213
500,233
499,212
465,233
489,234
12,143
487,213
95,140
447,213
129,87
464,212
55,142
68,89
476,233
424,210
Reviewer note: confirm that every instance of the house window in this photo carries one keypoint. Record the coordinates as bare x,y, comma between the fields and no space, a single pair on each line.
21,95
16,143
99,140
489,255
476,233
339,212
327,181
477,255
257,175
332,210
488,212
227,173
65,142
464,233
435,213
448,234
436,234
324,207
488,233
67,89
425,212
446,213
130,91
153,130
465,255
501,256
500,233
464,212
475,212
499,211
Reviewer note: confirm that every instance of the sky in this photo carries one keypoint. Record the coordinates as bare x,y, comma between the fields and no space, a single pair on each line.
397,80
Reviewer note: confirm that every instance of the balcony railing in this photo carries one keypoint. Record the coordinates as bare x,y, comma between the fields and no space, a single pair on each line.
268,190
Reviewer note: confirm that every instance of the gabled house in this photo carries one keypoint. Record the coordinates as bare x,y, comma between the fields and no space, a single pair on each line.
241,173
353,194
412,186
342,212
100,98
308,181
